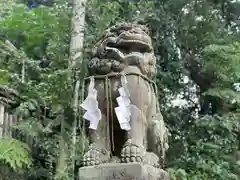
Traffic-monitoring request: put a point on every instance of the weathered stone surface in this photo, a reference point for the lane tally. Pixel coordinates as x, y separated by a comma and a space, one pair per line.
126, 50
123, 171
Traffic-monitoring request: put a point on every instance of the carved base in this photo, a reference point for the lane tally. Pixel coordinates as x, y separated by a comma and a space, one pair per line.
123, 171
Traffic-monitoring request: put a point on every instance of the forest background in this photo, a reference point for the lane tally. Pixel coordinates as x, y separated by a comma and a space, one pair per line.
198, 62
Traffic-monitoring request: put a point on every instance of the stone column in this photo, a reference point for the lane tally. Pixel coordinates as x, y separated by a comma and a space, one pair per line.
10, 122
5, 124
2, 107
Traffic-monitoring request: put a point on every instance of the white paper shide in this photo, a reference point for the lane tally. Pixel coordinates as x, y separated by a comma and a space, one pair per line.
90, 104
123, 112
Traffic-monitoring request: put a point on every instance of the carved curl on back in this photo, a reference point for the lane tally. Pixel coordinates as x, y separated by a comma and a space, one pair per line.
123, 45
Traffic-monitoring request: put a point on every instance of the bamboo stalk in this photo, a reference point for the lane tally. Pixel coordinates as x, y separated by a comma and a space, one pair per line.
76, 46
75, 59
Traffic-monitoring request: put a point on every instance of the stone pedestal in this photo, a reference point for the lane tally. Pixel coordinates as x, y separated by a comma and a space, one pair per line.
117, 171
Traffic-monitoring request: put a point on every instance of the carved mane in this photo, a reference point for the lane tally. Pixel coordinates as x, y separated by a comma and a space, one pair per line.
123, 45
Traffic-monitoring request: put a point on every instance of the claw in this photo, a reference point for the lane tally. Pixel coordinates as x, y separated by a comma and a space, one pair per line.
95, 156
132, 153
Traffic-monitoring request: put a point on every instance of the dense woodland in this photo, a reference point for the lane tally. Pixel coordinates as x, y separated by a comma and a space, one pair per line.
197, 44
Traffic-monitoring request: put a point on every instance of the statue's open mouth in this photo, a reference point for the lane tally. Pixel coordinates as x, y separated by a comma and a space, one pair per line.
140, 42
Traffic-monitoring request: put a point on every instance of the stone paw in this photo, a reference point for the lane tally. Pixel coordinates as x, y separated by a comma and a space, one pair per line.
132, 153
95, 156
152, 159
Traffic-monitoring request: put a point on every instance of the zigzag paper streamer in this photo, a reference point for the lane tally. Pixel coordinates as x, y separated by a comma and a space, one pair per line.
90, 104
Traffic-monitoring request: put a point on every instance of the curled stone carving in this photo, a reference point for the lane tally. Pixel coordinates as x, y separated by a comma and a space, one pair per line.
125, 50
123, 45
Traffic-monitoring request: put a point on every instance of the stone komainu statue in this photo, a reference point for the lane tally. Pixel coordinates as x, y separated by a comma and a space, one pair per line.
125, 122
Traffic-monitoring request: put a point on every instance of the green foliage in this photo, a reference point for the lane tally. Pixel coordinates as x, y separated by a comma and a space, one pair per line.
37, 34
14, 153
209, 144
4, 76
225, 58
